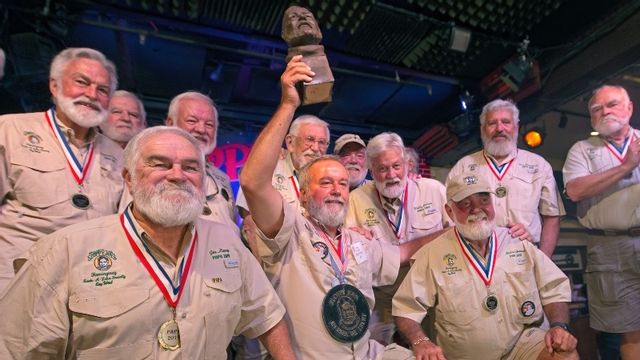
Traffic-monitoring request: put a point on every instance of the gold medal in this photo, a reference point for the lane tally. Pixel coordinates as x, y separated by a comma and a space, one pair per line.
490, 303
169, 335
501, 192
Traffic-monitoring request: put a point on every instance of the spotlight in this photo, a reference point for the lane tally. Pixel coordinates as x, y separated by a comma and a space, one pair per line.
459, 39
534, 137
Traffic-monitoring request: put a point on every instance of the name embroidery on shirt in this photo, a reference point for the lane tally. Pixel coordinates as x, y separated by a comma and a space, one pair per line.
219, 254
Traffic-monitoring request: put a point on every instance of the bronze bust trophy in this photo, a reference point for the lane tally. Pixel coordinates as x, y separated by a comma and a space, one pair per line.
301, 32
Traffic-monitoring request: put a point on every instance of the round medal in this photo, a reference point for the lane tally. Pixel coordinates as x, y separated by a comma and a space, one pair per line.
206, 211
490, 303
501, 192
169, 335
80, 201
345, 313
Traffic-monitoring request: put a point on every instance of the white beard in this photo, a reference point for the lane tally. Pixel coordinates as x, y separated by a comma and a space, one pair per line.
499, 149
331, 215
302, 159
356, 180
394, 191
169, 204
476, 227
81, 115
610, 124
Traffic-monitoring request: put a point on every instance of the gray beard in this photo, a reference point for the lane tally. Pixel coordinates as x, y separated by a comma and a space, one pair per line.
162, 207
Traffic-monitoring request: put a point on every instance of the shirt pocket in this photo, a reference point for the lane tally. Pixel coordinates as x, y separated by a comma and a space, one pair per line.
223, 290
524, 194
426, 223
39, 182
99, 315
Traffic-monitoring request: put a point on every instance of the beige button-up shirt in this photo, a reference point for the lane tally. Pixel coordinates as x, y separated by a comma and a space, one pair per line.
84, 293
530, 187
36, 184
616, 208
302, 278
524, 280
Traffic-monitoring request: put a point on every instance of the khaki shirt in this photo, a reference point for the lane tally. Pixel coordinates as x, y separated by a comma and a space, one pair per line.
616, 208
36, 184
302, 278
424, 213
531, 189
524, 280
282, 181
62, 300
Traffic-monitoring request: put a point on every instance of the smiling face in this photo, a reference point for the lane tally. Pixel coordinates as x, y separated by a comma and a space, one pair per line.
499, 132
353, 156
327, 194
299, 27
167, 181
474, 216
199, 119
82, 92
389, 171
124, 120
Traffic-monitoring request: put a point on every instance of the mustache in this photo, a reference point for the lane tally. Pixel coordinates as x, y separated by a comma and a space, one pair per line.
83, 100
334, 199
352, 167
477, 217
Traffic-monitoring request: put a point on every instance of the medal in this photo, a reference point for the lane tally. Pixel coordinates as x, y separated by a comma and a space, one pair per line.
80, 201
169, 335
206, 211
501, 191
490, 303
345, 313
78, 170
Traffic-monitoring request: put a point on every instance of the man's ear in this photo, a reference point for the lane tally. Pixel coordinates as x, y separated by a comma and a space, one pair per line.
126, 175
449, 211
53, 87
169, 121
288, 140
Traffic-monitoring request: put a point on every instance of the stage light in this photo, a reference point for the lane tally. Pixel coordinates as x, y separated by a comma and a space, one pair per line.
533, 138
459, 39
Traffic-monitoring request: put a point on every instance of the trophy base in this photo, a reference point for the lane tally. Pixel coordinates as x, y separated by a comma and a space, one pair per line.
316, 93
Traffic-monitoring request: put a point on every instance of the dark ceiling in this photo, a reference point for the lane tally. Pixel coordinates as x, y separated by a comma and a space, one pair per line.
393, 68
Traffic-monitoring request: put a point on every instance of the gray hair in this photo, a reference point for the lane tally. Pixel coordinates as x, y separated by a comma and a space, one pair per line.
304, 176
192, 95
124, 93
500, 104
307, 120
60, 62
602, 87
413, 155
383, 142
132, 150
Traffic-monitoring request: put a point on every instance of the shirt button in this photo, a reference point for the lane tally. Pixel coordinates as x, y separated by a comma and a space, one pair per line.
184, 315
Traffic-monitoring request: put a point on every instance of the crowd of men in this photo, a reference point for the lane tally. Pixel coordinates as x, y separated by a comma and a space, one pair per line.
120, 241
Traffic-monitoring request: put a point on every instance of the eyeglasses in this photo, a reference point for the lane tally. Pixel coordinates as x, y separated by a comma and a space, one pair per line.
310, 140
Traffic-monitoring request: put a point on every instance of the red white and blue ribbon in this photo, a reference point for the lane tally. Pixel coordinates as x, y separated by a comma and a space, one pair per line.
171, 292
619, 152
78, 170
339, 255
296, 185
499, 171
483, 268
397, 226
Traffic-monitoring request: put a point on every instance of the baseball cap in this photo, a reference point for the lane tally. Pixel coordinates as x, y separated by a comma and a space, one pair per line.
345, 139
459, 187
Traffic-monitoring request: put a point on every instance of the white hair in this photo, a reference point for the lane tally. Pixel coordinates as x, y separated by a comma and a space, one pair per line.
60, 62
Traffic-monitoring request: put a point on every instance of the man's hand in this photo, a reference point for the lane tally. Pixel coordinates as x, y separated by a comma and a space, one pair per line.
519, 231
368, 234
633, 155
295, 72
427, 350
559, 340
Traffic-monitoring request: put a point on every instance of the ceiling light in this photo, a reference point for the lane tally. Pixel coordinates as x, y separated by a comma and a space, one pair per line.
459, 39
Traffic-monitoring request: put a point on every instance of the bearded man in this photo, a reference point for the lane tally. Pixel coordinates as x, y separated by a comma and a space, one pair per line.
312, 259
488, 291
397, 210
170, 285
601, 174
55, 168
526, 191
126, 117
